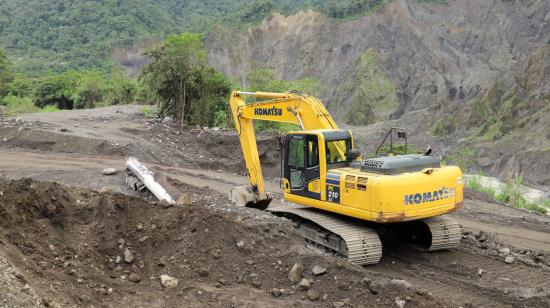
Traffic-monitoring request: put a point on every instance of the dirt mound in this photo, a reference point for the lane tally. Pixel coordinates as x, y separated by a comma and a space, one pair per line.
79, 247
150, 140
203, 148
47, 141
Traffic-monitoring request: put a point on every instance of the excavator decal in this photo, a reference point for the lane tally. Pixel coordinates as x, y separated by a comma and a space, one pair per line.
333, 187
429, 196
273, 111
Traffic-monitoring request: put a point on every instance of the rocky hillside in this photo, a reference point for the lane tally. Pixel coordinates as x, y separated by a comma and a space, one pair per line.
464, 75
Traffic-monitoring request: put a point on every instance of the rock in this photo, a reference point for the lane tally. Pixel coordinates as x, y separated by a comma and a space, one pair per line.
313, 295
480, 272
338, 305
118, 259
165, 204
276, 292
106, 189
304, 284
295, 273
128, 256
184, 199
343, 285
509, 260
203, 272
168, 281
378, 285
505, 251
256, 284
318, 270
109, 171
399, 302
240, 244
166, 119
224, 282
133, 277
400, 283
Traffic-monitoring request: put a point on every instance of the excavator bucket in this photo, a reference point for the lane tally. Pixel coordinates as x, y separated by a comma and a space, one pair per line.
244, 196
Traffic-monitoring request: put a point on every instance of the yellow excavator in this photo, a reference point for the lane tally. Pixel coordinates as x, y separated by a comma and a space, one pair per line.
342, 202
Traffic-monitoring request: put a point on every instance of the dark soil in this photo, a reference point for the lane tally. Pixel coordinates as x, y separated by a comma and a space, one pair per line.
66, 242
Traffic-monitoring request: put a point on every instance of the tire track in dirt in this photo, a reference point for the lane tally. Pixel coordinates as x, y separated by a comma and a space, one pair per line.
455, 275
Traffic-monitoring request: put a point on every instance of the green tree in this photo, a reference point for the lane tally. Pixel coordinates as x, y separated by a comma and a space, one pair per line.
6, 75
90, 91
185, 86
263, 78
57, 90
21, 86
121, 90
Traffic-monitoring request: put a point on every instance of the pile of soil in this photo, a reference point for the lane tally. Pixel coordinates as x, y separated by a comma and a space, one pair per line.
46, 141
77, 247
153, 141
205, 148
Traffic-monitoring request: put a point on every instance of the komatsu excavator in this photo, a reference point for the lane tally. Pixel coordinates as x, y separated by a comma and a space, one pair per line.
340, 202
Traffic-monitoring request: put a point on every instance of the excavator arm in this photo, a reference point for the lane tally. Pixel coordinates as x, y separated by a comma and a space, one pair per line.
291, 107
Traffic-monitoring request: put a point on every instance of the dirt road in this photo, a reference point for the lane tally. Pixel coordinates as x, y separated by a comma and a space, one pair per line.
475, 274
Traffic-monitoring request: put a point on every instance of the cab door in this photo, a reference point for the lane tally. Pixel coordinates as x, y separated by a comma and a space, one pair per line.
302, 165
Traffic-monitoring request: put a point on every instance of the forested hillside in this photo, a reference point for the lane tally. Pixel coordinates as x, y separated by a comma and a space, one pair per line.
58, 35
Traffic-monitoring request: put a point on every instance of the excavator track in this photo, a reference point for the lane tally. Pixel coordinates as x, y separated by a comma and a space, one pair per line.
358, 243
430, 234
445, 233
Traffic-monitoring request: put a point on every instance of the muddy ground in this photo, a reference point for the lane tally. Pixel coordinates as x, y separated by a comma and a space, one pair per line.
60, 238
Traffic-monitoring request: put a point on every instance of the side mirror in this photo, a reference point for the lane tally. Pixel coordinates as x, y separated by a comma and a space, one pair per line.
353, 154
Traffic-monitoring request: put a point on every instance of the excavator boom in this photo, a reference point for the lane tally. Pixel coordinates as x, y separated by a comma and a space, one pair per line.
303, 110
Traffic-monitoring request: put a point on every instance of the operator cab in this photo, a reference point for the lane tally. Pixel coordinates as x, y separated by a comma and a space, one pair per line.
308, 153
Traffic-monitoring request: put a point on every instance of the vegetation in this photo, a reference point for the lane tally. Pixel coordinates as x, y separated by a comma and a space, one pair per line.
185, 86
17, 105
445, 126
464, 157
371, 93
63, 35
146, 111
509, 193
6, 75
55, 91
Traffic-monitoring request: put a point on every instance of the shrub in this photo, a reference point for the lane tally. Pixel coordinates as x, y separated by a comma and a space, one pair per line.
56, 90
146, 111
90, 91
50, 108
474, 183
18, 105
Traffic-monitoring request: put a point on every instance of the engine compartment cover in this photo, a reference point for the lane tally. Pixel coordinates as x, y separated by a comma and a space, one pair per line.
397, 164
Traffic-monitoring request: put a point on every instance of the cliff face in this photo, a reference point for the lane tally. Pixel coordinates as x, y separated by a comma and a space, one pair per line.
469, 73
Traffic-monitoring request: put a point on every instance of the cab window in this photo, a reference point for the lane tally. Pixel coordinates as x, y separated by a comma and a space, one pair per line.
296, 163
313, 152
296, 153
336, 150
